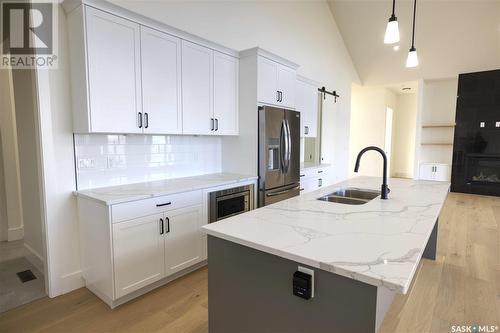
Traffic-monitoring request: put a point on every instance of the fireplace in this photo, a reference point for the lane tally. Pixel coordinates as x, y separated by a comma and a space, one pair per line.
476, 148
483, 169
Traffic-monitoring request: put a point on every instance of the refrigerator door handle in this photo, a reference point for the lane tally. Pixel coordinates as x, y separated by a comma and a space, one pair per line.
283, 192
283, 146
289, 144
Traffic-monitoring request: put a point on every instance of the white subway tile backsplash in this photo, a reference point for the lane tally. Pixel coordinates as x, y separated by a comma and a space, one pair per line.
126, 159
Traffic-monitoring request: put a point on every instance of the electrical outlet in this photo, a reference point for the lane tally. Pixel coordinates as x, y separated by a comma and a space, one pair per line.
482, 124
86, 163
115, 161
497, 124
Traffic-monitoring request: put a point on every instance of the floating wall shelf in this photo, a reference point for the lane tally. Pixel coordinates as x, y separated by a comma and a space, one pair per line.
438, 125
437, 143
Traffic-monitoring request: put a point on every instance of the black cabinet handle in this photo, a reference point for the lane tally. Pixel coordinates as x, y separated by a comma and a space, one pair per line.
139, 119
168, 224
302, 189
146, 116
212, 122
302, 175
320, 171
164, 204
277, 95
216, 124
162, 231
281, 96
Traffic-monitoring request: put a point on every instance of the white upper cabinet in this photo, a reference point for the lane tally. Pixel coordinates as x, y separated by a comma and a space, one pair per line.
267, 84
161, 82
307, 105
136, 75
197, 89
286, 86
225, 94
276, 83
114, 71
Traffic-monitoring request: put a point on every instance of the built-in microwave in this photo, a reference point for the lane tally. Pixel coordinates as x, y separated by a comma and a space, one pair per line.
230, 202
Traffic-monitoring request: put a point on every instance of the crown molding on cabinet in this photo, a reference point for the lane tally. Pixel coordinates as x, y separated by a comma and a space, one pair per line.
309, 81
70, 5
269, 55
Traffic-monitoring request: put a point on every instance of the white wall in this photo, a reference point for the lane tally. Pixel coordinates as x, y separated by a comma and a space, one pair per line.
403, 138
25, 106
368, 115
301, 31
10, 159
4, 224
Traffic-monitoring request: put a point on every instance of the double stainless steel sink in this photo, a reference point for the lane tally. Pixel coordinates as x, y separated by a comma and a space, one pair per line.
351, 196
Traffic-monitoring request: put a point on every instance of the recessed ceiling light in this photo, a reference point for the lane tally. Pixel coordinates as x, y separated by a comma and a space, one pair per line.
395, 47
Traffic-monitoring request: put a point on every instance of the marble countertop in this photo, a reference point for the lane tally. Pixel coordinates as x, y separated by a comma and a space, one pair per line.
379, 243
311, 165
124, 193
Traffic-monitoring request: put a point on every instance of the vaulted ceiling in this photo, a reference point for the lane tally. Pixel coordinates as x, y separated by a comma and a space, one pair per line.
452, 37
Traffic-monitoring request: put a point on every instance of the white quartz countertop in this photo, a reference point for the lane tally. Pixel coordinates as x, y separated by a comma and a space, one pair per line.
311, 165
379, 243
124, 193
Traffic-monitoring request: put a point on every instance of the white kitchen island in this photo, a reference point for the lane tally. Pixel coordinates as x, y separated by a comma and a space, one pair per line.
361, 255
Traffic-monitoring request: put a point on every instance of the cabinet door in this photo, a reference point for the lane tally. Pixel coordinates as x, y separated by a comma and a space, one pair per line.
197, 88
286, 85
183, 238
161, 82
113, 55
426, 172
442, 172
267, 82
138, 253
225, 94
306, 102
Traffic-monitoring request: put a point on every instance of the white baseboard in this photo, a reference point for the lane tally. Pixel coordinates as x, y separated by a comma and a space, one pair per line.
403, 175
35, 258
72, 281
14, 234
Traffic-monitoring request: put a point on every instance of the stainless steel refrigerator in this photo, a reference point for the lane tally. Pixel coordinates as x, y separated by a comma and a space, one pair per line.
279, 154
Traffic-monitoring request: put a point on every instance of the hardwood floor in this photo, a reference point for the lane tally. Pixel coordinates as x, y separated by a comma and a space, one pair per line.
462, 287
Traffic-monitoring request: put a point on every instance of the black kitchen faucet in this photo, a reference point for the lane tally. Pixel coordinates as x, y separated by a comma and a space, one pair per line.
385, 189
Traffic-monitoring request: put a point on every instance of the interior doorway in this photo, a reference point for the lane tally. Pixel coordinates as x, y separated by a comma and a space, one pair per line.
22, 237
389, 114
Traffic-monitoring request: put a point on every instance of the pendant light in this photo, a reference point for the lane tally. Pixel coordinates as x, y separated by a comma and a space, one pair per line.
392, 30
412, 60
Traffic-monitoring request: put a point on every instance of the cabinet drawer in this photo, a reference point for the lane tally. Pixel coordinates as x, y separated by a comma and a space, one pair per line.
313, 172
135, 209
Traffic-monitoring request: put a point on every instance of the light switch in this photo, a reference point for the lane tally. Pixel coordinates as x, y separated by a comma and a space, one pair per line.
497, 124
482, 124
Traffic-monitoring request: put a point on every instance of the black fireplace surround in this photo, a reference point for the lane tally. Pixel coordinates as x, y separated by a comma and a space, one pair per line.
476, 150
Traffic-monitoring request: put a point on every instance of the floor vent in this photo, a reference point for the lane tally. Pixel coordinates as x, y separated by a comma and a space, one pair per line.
26, 276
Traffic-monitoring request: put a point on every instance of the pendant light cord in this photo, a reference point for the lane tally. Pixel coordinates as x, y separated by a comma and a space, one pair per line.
393, 7
414, 13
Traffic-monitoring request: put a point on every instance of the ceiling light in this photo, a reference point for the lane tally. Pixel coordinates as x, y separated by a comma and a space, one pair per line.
412, 60
392, 30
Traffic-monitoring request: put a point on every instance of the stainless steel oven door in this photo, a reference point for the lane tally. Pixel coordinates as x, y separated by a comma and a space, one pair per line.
229, 205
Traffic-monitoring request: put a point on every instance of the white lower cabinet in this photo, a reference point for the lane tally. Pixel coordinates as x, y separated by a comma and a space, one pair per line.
313, 179
183, 241
138, 253
435, 171
127, 247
